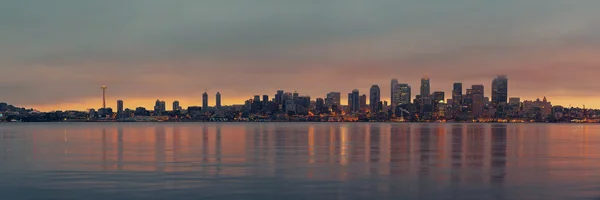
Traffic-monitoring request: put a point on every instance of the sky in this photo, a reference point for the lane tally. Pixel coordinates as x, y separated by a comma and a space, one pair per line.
55, 55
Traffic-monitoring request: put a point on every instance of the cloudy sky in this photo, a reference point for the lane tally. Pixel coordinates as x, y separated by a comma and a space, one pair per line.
56, 54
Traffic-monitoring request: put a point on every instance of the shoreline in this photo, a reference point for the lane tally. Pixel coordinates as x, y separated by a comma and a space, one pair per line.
241, 122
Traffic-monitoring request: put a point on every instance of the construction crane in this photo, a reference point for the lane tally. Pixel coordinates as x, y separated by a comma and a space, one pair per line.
402, 113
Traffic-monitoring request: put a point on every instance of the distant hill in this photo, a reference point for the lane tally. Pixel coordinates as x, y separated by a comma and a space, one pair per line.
5, 107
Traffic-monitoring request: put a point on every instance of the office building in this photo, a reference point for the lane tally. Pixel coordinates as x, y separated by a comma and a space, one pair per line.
478, 100
457, 94
265, 101
499, 90
333, 98
405, 93
355, 101
279, 97
218, 101
438, 97
363, 102
120, 107
176, 106
425, 87
375, 99
350, 99
395, 93
205, 101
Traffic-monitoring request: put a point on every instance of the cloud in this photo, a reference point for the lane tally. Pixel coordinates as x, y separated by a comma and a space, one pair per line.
62, 51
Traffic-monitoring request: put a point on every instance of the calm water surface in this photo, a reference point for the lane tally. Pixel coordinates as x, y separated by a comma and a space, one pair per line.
299, 161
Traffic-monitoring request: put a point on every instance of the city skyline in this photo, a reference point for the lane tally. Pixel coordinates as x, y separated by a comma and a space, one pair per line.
402, 87
373, 101
56, 54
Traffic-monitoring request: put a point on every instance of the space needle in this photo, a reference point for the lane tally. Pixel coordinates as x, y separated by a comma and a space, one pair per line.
104, 96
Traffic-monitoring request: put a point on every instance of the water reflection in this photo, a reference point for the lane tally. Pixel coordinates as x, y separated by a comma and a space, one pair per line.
364, 160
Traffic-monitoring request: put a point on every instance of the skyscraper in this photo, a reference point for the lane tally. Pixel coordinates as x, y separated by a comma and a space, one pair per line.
333, 98
499, 90
120, 107
355, 101
363, 102
265, 101
279, 97
295, 96
425, 91
176, 106
438, 97
375, 98
438, 105
205, 101
425, 87
457, 99
477, 96
350, 100
159, 107
457, 93
218, 101
395, 94
256, 98
256, 104
405, 93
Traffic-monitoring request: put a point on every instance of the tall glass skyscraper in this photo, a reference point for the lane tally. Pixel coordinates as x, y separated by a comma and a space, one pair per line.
499, 90
374, 98
355, 101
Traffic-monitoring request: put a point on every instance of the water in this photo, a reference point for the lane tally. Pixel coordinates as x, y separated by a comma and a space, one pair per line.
299, 161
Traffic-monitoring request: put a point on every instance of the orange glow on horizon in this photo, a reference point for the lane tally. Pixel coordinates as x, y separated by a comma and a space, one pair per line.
131, 103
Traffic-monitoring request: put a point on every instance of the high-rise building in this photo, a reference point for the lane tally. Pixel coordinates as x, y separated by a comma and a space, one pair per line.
425, 87
395, 93
457, 99
363, 102
478, 100
303, 105
290, 106
205, 101
176, 106
279, 97
438, 97
350, 99
499, 90
120, 107
425, 91
468, 99
375, 98
405, 93
320, 107
256, 104
457, 94
355, 100
333, 98
265, 101
295, 96
218, 101
159, 107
